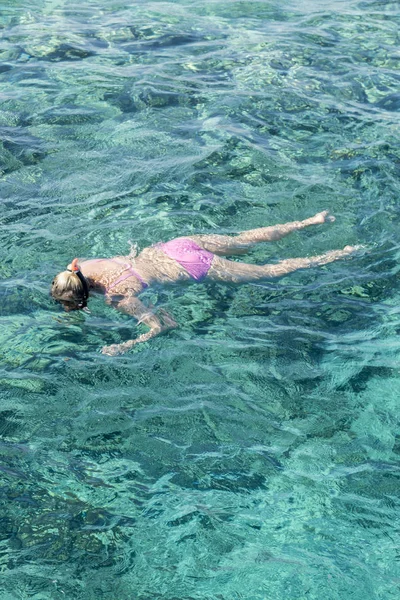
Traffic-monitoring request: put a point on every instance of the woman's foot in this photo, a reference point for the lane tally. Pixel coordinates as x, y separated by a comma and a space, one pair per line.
319, 218
333, 255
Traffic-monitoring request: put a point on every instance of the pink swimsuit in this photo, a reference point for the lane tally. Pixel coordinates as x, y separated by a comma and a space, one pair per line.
129, 272
194, 259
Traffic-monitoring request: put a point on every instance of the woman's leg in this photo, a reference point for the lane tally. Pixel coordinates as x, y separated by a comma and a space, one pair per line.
236, 272
241, 243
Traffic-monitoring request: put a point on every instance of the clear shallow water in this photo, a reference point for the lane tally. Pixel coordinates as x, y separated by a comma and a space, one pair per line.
253, 453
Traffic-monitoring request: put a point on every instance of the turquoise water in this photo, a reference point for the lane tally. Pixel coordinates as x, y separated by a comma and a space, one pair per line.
254, 452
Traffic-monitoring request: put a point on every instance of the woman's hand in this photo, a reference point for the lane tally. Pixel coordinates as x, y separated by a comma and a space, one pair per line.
117, 349
136, 308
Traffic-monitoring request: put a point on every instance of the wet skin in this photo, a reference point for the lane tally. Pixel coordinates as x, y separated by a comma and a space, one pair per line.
153, 266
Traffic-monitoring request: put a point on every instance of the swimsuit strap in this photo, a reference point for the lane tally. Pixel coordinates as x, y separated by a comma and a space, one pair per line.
125, 275
130, 273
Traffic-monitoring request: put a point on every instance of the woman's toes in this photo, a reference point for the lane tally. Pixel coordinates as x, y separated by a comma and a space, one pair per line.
326, 217
323, 217
352, 249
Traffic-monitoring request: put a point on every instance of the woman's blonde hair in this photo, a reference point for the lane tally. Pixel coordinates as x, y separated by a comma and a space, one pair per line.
67, 287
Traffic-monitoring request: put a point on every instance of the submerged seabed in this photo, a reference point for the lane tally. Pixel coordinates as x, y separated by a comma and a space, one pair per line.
253, 453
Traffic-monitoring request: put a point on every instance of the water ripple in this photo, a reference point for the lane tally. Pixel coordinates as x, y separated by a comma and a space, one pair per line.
253, 452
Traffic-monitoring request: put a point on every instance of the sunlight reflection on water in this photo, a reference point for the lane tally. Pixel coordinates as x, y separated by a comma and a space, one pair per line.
252, 453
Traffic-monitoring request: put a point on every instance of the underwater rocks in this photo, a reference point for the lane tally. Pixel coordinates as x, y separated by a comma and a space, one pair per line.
18, 147
57, 52
390, 102
130, 102
67, 114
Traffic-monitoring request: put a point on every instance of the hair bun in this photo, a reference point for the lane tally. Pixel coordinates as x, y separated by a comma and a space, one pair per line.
74, 265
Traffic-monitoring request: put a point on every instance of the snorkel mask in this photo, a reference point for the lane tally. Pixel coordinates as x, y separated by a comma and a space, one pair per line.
67, 290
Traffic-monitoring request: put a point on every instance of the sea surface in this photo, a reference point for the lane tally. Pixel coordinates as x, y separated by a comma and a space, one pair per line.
253, 453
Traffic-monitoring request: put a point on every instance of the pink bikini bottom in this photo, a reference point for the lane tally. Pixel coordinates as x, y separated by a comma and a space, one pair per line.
194, 259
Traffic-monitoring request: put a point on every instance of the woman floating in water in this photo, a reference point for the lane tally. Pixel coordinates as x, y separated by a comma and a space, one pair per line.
197, 257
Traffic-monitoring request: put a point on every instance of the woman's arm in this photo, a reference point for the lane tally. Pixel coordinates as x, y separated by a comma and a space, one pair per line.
134, 307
